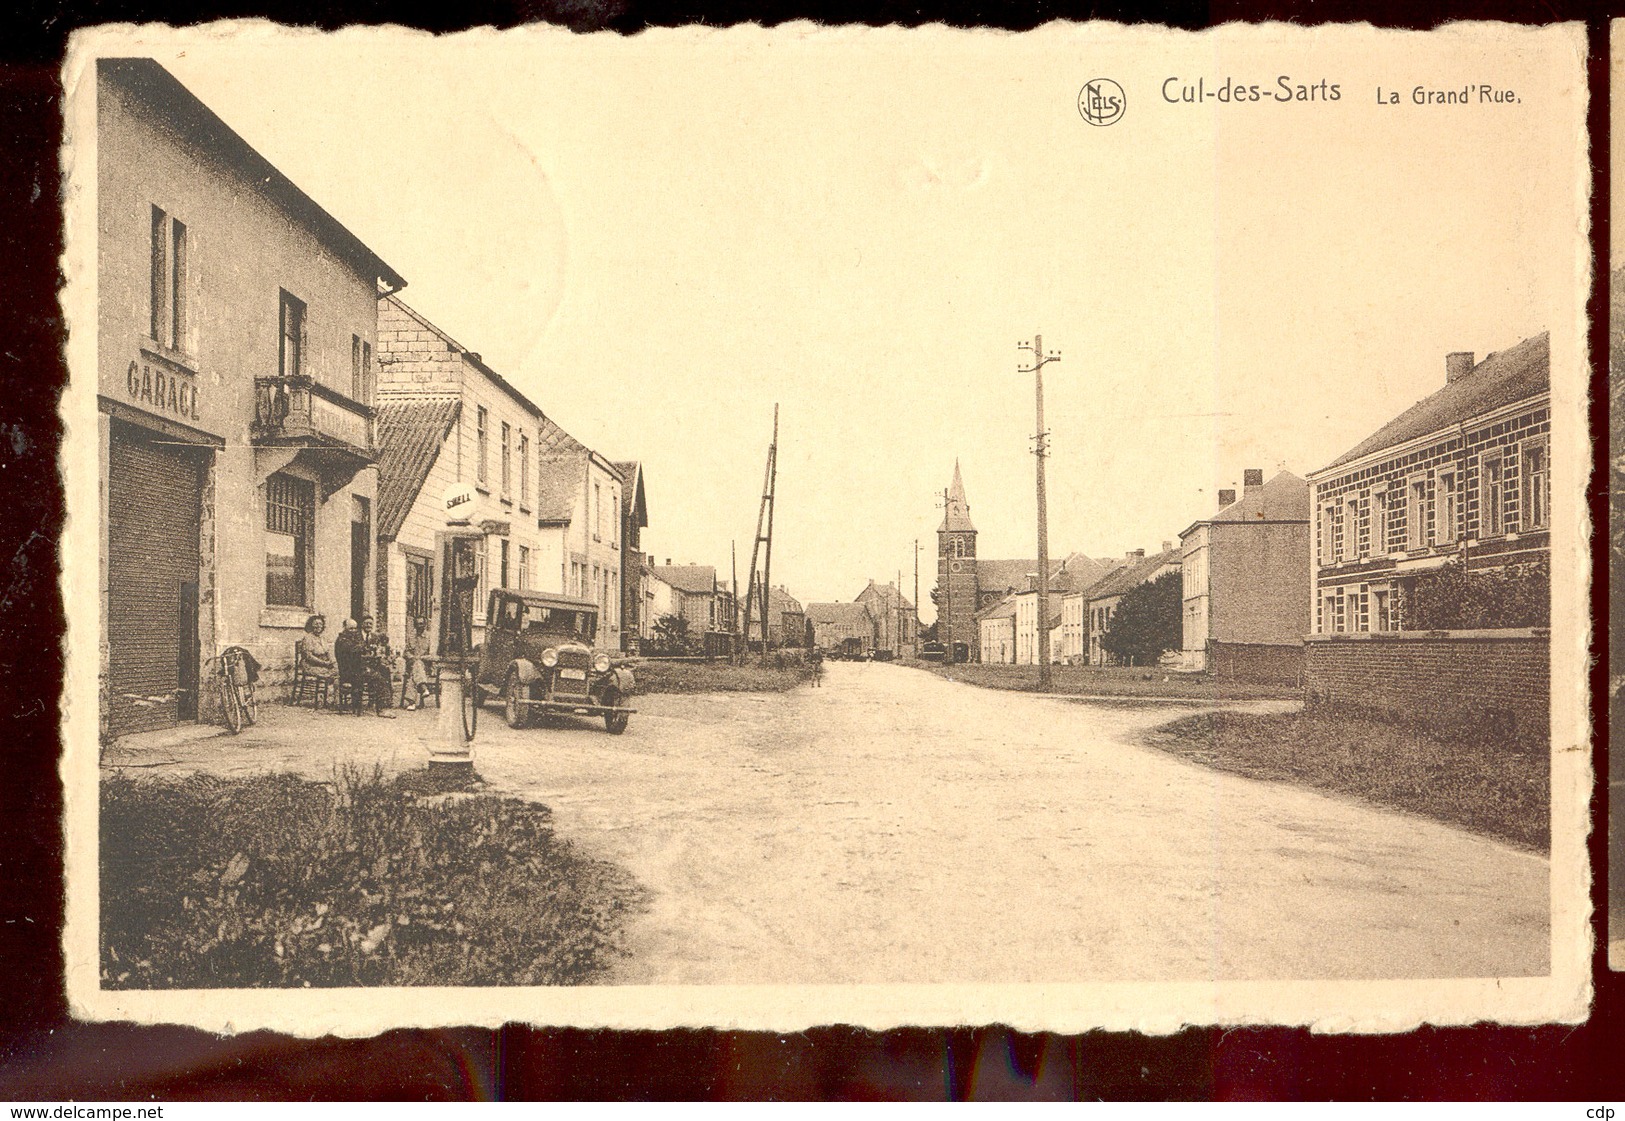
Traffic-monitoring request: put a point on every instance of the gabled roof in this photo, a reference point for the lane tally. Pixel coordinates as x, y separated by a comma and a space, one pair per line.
887, 594
957, 514
695, 579
1134, 574
780, 602
634, 506
1285, 498
199, 124
559, 479
551, 438
1002, 609
410, 436
840, 614
1506, 376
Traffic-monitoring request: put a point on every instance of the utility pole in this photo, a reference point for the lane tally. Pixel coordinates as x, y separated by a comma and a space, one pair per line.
945, 615
897, 643
916, 597
764, 516
1041, 452
733, 564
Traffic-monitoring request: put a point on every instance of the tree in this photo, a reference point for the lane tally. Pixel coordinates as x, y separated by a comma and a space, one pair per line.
672, 635
1147, 621
1452, 598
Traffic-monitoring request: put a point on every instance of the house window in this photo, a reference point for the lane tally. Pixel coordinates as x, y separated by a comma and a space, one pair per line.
1416, 516
524, 567
1448, 508
168, 290
1382, 609
524, 469
1359, 610
355, 368
614, 516
291, 352
1491, 496
482, 583
419, 587
481, 441
290, 512
1352, 546
1535, 485
597, 512
503, 567
1328, 535
1379, 522
507, 464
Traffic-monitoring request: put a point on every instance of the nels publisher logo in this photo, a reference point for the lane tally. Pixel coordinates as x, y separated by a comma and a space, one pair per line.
1101, 101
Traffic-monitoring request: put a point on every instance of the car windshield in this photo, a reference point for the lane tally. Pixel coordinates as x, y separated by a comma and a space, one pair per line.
579, 625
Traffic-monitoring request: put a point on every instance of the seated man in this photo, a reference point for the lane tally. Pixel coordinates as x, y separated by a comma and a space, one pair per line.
377, 665
349, 653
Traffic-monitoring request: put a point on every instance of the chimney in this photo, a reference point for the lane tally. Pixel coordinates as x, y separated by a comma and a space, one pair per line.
1252, 479
1032, 581
1227, 498
1166, 545
1456, 364
668, 562
1136, 554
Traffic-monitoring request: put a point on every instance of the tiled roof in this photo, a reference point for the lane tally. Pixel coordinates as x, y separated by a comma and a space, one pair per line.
780, 601
1135, 574
560, 477
551, 438
887, 594
410, 436
1284, 498
847, 614
695, 579
1506, 376
1003, 609
1004, 575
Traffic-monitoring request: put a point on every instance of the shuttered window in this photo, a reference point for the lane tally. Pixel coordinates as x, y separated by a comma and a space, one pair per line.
292, 351
290, 510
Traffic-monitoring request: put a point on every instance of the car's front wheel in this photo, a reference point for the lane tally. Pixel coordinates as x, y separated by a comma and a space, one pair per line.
514, 695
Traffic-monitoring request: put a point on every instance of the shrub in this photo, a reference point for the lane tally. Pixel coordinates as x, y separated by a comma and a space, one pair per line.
278, 881
1452, 598
1147, 621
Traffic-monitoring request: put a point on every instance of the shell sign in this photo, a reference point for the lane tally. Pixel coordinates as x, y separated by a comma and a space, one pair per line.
457, 501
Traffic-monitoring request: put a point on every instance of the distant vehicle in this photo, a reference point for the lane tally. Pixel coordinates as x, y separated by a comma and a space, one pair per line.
933, 652
538, 657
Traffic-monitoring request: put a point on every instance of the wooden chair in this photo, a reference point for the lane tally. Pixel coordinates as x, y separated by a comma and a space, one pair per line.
313, 686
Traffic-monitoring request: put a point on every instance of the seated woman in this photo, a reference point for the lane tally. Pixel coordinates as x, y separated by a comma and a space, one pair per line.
315, 655
417, 674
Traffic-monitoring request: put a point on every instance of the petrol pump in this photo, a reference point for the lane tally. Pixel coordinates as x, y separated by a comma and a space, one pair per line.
456, 669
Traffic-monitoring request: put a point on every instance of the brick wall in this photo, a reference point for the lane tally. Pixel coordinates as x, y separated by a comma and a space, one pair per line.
1264, 663
1487, 682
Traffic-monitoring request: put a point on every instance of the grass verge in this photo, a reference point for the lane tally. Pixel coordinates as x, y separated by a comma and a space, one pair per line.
1488, 787
1115, 681
775, 673
276, 881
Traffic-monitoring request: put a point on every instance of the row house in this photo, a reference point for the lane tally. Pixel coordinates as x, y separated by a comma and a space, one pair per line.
1067, 580
579, 509
1463, 474
690, 591
786, 618
1103, 598
635, 593
996, 633
547, 510
236, 334
1245, 607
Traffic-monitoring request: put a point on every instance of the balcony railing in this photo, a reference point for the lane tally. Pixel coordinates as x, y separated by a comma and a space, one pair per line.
300, 411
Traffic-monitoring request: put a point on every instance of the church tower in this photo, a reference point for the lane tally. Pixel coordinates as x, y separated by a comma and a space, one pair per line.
956, 571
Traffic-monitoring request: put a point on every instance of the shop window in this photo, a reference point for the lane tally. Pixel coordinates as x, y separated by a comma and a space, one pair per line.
524, 567
290, 511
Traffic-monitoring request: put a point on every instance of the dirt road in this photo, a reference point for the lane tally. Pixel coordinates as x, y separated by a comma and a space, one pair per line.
892, 826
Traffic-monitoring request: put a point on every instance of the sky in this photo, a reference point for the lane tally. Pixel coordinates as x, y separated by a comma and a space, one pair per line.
660, 238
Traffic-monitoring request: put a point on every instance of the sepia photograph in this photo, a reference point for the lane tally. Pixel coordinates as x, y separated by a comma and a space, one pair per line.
766, 527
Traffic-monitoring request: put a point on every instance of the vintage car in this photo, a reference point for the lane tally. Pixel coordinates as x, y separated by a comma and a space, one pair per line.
538, 657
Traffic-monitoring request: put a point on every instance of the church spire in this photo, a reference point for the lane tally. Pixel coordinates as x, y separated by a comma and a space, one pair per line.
957, 514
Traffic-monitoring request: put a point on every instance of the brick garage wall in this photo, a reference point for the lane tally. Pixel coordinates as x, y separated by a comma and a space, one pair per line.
1263, 663
1478, 683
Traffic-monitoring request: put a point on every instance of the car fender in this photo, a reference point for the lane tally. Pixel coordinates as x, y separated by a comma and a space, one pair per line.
526, 669
621, 678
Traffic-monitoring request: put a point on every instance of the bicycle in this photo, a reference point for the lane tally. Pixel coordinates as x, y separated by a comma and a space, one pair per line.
235, 687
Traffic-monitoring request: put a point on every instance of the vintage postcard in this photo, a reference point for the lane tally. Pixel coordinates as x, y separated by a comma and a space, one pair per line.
772, 527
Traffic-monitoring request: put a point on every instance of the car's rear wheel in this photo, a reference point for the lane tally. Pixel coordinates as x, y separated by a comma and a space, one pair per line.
513, 709
614, 722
